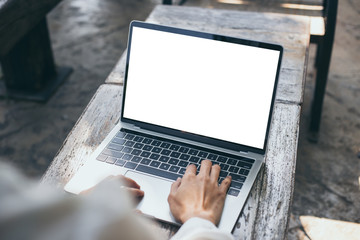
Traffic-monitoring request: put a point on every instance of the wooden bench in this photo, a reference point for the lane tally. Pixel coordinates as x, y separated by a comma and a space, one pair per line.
266, 212
25, 50
322, 14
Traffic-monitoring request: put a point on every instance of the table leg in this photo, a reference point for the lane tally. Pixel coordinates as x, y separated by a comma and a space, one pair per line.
29, 69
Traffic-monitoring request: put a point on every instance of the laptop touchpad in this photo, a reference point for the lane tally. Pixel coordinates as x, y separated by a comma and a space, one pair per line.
156, 192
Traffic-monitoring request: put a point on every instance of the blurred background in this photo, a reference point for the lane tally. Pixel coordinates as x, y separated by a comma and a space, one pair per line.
91, 35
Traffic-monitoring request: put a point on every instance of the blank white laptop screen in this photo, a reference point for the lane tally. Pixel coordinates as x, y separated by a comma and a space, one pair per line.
212, 88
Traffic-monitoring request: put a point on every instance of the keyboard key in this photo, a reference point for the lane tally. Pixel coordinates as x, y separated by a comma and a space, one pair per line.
120, 134
111, 160
231, 161
136, 159
233, 192
129, 136
165, 145
145, 161
138, 145
233, 169
115, 147
129, 143
249, 160
223, 174
127, 149
174, 147
157, 172
155, 163
175, 154
215, 163
194, 159
193, 152
130, 165
235, 184
101, 157
165, 152
112, 153
174, 169
183, 149
182, 171
147, 148
222, 159
212, 157
184, 157
120, 162
127, 157
136, 152
196, 165
147, 141
224, 166
238, 178
183, 164
156, 150
244, 164
220, 180
164, 159
156, 143
154, 156
118, 141
138, 139
173, 161
164, 166
244, 171
202, 154
145, 154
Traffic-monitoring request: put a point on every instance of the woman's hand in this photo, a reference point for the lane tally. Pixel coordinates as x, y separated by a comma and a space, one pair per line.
130, 185
199, 195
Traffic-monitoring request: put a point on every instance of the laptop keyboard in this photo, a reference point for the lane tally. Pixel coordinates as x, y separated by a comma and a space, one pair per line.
169, 159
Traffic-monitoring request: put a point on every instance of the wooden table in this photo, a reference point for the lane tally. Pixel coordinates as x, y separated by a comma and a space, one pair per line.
266, 212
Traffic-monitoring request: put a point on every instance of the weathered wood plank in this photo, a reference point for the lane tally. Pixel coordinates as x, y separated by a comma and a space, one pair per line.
117, 74
207, 19
297, 7
267, 210
97, 120
292, 32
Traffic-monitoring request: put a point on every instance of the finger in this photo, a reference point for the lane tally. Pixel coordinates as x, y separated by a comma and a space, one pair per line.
205, 167
225, 184
190, 170
175, 185
137, 211
215, 172
129, 182
135, 192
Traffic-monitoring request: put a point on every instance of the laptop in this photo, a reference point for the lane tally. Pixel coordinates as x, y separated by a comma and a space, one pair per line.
188, 96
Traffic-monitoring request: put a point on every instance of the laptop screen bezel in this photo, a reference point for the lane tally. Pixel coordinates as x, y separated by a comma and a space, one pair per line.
191, 136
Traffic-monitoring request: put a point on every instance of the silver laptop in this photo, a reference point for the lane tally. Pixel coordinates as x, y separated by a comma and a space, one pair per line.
188, 96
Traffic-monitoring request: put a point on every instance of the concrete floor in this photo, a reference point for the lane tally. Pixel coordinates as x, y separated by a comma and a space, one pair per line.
90, 36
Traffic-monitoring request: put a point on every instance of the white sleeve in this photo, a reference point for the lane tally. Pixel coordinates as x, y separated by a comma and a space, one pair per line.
199, 228
39, 212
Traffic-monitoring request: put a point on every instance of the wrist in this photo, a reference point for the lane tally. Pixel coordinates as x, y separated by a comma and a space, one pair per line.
202, 215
